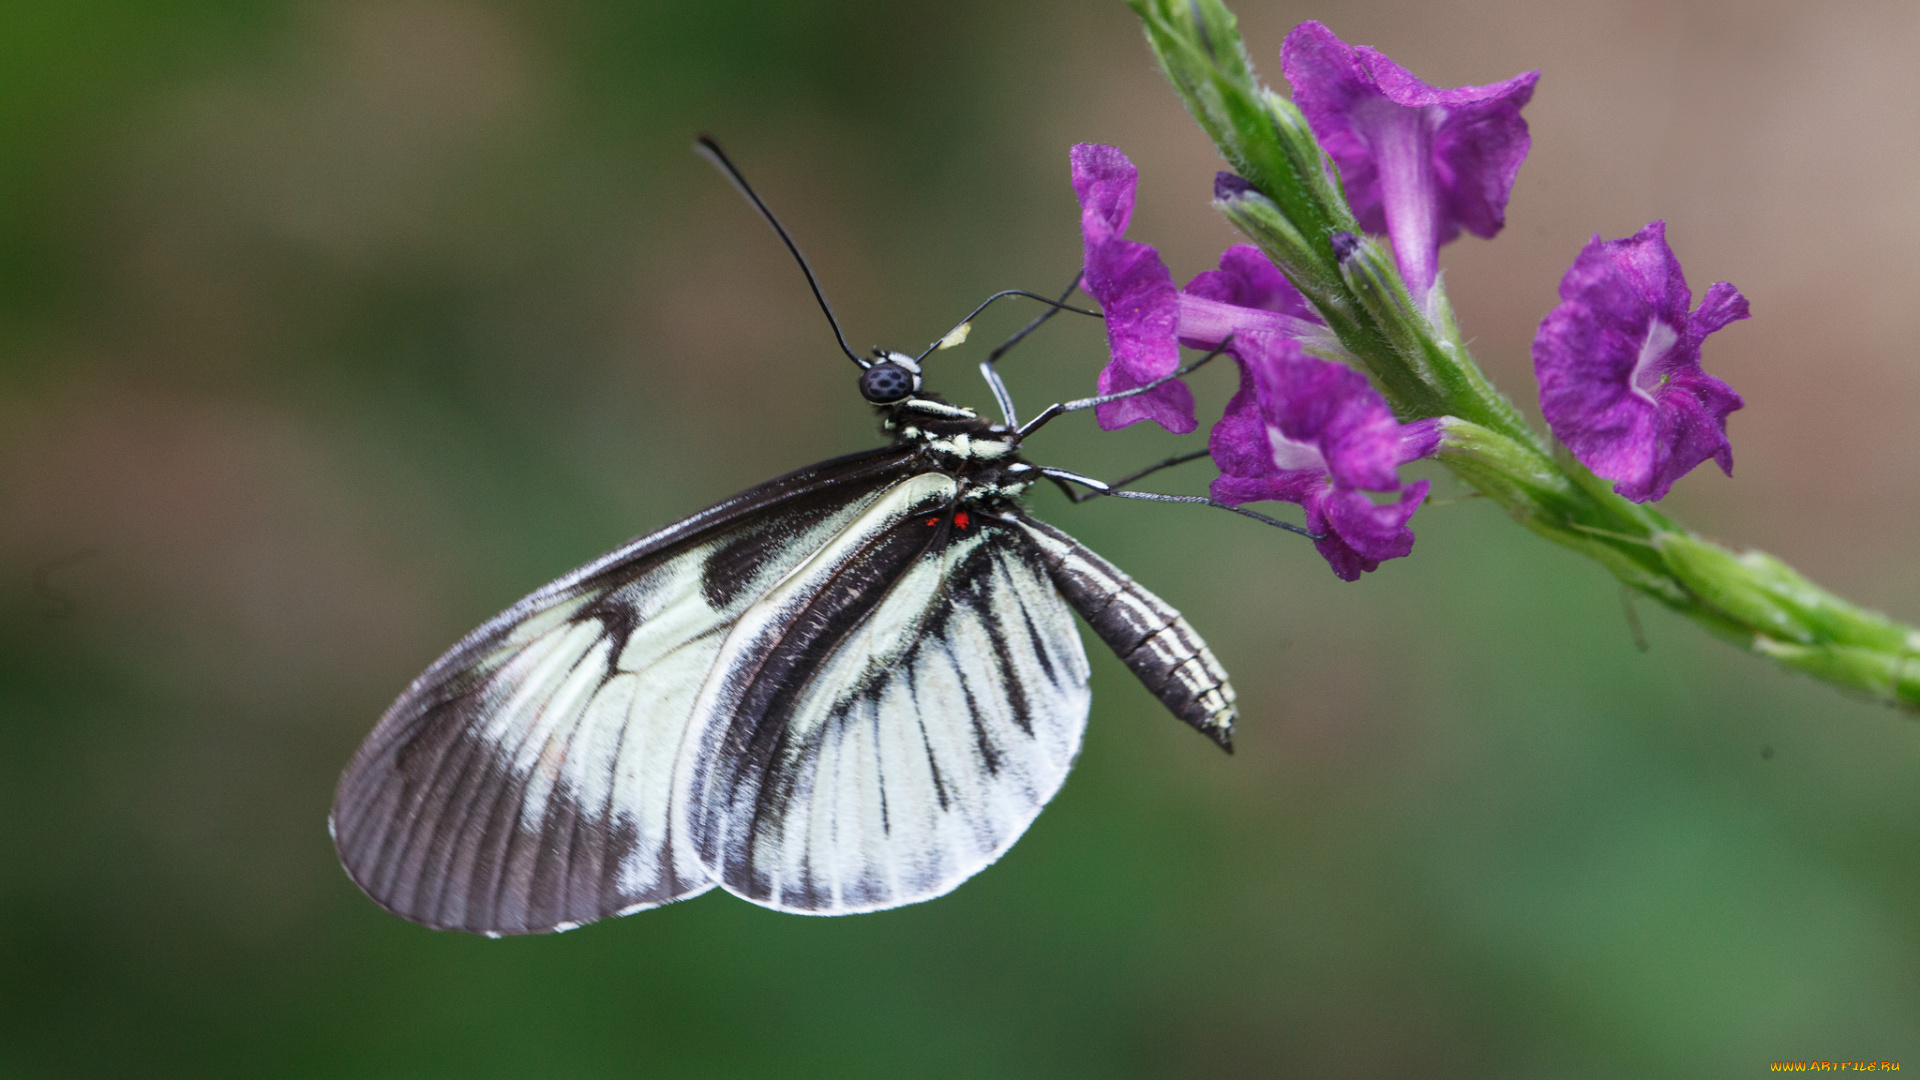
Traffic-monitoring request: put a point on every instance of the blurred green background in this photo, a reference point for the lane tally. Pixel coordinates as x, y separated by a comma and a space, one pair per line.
328, 329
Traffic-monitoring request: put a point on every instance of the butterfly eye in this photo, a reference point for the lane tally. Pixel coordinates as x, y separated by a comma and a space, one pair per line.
886, 382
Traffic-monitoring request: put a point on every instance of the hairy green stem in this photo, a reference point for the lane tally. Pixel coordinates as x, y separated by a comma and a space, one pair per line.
1415, 355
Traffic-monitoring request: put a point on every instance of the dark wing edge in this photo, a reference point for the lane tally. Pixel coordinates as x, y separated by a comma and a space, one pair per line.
430, 819
1148, 635
626, 560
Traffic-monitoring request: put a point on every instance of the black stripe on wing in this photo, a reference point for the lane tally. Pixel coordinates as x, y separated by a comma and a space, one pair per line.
1148, 635
491, 797
889, 721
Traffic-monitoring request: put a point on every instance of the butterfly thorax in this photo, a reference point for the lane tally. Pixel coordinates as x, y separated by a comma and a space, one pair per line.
955, 440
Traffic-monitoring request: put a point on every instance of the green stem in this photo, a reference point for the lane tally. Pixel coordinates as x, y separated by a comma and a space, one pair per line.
1414, 354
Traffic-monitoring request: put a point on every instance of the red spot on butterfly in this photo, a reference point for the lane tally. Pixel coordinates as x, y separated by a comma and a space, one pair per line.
960, 519
933, 521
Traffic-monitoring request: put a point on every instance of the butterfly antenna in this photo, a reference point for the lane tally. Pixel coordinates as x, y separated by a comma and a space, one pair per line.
1052, 307
707, 148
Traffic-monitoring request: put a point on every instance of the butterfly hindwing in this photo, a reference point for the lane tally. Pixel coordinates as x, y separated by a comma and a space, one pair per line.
524, 782
887, 721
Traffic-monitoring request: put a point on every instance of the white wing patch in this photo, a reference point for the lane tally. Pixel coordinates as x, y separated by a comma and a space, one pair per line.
524, 782
890, 719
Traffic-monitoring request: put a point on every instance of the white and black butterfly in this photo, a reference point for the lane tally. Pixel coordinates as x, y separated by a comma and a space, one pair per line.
846, 689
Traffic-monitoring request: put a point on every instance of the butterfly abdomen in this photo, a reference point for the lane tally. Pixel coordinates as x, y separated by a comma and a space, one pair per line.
1148, 635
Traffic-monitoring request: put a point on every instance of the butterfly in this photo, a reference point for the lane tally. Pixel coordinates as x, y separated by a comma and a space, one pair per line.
846, 689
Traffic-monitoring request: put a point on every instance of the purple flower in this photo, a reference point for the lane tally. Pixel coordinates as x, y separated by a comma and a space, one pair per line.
1618, 363
1312, 432
1300, 429
1419, 163
1147, 318
1135, 291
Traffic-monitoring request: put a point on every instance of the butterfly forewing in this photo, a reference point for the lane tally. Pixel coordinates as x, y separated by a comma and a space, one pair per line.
891, 717
525, 781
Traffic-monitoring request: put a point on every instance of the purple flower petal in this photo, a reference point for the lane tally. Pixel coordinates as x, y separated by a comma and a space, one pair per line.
1420, 439
1723, 304
1297, 486
1248, 279
1332, 408
1239, 444
1618, 362
1104, 181
1312, 432
1246, 293
1204, 323
1136, 293
1418, 163
1359, 535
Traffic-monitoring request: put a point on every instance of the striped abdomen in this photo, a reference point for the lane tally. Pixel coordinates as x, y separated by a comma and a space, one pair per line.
1144, 631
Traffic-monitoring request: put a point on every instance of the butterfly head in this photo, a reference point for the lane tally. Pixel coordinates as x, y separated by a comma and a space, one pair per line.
894, 377
955, 436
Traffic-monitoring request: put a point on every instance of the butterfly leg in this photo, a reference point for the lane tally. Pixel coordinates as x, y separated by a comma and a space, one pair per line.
1177, 459
992, 374
1064, 407
1096, 487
